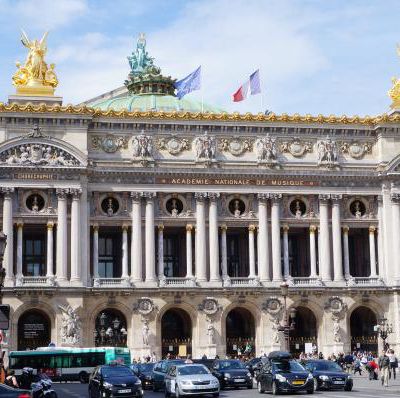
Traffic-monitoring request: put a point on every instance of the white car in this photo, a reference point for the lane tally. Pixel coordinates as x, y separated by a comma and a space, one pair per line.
188, 379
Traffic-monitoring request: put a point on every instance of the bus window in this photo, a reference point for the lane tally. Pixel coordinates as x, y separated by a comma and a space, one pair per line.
65, 361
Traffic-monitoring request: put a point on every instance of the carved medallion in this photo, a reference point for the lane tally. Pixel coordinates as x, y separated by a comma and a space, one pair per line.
174, 145
356, 149
296, 147
144, 306
109, 143
235, 146
336, 306
272, 306
209, 306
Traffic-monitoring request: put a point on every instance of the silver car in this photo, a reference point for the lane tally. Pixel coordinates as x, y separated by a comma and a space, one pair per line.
190, 379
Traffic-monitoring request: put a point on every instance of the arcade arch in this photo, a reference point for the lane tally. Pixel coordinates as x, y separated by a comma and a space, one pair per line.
34, 330
363, 336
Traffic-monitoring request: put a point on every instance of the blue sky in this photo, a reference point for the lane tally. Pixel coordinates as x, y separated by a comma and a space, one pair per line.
321, 56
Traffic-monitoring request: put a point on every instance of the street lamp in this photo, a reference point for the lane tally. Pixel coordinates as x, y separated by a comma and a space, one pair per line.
288, 316
383, 328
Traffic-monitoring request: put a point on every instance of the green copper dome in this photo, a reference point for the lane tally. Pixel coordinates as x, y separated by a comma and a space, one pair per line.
152, 102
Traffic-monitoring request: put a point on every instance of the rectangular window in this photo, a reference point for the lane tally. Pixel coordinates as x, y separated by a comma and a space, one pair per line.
34, 255
110, 256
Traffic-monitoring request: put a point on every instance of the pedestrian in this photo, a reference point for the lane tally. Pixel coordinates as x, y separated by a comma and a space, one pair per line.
384, 364
393, 364
357, 366
372, 367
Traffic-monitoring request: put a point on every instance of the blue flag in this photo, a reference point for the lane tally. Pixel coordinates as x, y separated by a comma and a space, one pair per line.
188, 84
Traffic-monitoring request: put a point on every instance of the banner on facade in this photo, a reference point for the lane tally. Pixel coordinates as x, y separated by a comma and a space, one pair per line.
182, 351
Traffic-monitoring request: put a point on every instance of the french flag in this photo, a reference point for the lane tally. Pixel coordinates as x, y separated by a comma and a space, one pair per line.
251, 86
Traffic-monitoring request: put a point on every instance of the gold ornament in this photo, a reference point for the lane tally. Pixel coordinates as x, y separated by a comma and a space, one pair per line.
35, 77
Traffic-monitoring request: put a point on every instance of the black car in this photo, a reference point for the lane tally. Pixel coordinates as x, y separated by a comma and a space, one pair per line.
145, 373
232, 373
108, 381
280, 373
328, 375
206, 362
160, 370
11, 392
253, 365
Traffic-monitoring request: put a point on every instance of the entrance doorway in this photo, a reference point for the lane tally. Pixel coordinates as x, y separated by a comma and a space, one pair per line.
240, 333
34, 330
304, 336
176, 333
363, 337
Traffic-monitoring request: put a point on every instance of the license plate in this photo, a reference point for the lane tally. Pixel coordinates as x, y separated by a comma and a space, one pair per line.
124, 391
338, 382
298, 382
240, 380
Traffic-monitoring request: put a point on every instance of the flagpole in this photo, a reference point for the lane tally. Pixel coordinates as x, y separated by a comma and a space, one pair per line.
201, 91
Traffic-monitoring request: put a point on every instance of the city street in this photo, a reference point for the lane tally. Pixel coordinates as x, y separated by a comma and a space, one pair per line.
362, 388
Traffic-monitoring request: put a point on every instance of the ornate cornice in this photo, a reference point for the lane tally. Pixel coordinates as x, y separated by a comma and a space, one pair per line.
246, 117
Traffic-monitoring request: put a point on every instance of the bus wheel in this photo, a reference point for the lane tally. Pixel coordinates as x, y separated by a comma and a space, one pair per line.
83, 377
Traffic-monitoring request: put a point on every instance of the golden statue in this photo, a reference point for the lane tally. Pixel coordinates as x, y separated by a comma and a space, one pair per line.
35, 77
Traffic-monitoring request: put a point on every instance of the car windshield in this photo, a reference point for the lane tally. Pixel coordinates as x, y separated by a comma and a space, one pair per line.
146, 367
287, 366
119, 371
231, 365
192, 370
327, 366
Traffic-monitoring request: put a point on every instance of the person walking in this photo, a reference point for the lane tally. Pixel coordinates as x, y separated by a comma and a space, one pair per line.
393, 364
384, 364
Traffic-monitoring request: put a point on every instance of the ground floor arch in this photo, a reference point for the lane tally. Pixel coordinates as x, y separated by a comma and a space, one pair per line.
34, 330
363, 336
110, 328
240, 332
176, 333
304, 336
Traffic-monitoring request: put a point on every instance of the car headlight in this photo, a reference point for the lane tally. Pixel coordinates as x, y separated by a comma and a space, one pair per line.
349, 377
280, 378
107, 385
186, 382
248, 374
324, 378
227, 375
215, 382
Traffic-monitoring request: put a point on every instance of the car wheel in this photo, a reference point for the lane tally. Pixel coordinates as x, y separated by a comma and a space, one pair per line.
310, 391
348, 388
166, 393
259, 388
83, 377
315, 384
275, 389
155, 389
177, 395
249, 386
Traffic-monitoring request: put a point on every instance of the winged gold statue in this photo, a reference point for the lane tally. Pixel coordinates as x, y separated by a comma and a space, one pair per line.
35, 77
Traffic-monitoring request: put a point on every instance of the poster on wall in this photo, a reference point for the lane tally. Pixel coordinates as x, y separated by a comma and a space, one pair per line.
308, 348
182, 352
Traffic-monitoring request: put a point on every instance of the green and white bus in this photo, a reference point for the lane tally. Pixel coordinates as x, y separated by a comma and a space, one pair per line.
67, 364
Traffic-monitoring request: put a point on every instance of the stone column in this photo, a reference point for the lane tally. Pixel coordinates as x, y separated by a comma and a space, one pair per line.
160, 251
136, 237
263, 247
150, 243
276, 238
372, 253
213, 237
96, 251
201, 252
62, 237
49, 258
313, 253
8, 229
286, 270
346, 252
337, 239
396, 233
20, 236
224, 258
252, 258
325, 246
75, 237
189, 253
125, 271
381, 257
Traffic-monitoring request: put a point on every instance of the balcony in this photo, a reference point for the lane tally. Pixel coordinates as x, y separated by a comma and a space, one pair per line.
241, 282
177, 282
365, 281
35, 281
305, 281
112, 282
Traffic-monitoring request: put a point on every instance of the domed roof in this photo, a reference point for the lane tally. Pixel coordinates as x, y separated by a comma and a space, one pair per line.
153, 102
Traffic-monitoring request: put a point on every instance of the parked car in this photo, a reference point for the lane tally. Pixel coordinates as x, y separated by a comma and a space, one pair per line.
206, 362
253, 365
108, 381
193, 379
160, 370
328, 375
281, 373
11, 392
232, 373
145, 373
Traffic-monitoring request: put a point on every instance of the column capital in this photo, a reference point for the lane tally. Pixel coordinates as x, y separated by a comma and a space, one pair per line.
96, 227
252, 228
76, 193
336, 197
7, 191
160, 227
125, 227
136, 196
62, 193
313, 228
50, 225
371, 229
199, 196
20, 224
224, 227
345, 229
395, 197
189, 227
213, 196
285, 227
324, 197
262, 197
275, 197
149, 195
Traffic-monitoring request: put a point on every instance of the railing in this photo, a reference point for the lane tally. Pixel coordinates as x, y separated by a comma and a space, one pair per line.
304, 281
241, 282
177, 282
365, 281
35, 281
111, 282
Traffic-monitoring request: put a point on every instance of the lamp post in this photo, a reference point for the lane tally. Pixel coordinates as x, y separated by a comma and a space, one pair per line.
288, 316
383, 328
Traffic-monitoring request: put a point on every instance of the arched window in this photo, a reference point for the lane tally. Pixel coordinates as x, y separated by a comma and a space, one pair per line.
34, 330
110, 329
363, 336
240, 332
304, 336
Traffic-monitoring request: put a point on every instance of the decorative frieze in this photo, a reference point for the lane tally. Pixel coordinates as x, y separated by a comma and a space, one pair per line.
204, 148
109, 143
328, 153
174, 145
296, 147
142, 147
235, 146
266, 151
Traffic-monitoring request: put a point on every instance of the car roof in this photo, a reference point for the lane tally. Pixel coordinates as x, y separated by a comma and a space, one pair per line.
181, 365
